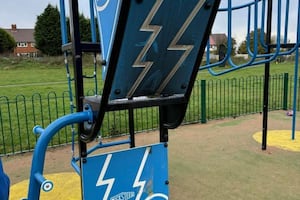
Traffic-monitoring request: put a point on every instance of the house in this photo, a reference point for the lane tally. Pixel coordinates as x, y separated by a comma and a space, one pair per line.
217, 39
25, 41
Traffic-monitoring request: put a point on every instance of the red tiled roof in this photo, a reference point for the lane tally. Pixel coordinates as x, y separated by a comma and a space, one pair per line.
217, 38
22, 35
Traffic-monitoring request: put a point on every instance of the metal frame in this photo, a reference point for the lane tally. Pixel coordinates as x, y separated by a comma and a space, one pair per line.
272, 51
171, 108
103, 104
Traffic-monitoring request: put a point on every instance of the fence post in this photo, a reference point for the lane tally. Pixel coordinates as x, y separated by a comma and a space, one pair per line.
285, 91
203, 101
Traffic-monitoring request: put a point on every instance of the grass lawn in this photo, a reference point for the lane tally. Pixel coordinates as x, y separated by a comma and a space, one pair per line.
44, 75
41, 75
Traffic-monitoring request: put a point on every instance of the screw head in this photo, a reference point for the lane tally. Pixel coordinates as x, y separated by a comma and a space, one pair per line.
207, 5
117, 91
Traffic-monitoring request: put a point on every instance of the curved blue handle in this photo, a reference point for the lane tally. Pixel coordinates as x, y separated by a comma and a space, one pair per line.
37, 181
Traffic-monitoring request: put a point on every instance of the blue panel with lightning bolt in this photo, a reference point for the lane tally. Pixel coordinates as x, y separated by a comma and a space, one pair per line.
138, 173
107, 14
160, 46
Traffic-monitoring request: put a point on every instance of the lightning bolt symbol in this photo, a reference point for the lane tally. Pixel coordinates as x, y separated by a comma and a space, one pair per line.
174, 46
137, 182
146, 27
108, 182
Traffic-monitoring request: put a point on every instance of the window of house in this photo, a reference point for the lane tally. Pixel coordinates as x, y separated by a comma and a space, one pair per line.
32, 44
22, 44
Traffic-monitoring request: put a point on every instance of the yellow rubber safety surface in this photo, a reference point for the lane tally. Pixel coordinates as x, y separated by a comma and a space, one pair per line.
66, 187
281, 139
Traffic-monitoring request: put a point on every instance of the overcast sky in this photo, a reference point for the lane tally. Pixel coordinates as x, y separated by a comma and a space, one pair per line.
24, 14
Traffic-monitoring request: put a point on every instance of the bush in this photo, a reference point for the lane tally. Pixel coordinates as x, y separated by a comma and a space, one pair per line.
7, 42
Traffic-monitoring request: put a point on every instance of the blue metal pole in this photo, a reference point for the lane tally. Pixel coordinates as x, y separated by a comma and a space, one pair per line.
63, 26
287, 11
92, 21
64, 39
94, 39
295, 95
296, 78
41, 147
207, 51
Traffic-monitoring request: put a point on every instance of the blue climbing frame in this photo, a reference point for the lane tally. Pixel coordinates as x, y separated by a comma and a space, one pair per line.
271, 19
149, 59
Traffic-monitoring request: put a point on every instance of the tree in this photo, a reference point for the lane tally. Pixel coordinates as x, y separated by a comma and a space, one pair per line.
7, 42
222, 48
233, 46
221, 41
243, 47
47, 31
85, 28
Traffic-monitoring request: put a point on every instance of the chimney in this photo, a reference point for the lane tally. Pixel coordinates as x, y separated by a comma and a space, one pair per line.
13, 27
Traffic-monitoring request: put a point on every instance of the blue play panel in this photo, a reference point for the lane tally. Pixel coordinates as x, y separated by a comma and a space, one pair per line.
138, 173
160, 44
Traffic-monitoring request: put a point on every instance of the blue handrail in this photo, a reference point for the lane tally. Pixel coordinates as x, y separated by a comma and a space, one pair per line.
37, 181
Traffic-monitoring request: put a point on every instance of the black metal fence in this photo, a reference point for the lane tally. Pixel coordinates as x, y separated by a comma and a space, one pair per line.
211, 99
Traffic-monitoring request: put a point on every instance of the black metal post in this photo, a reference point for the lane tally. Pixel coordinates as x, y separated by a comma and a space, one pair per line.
267, 78
163, 131
131, 127
285, 91
77, 62
203, 101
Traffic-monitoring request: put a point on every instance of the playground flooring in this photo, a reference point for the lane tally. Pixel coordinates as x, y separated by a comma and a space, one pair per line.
221, 159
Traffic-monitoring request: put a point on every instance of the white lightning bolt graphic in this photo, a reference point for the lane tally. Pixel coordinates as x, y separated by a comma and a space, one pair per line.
138, 62
175, 47
137, 182
108, 182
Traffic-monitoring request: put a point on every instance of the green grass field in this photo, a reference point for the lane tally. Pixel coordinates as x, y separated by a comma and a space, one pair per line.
43, 75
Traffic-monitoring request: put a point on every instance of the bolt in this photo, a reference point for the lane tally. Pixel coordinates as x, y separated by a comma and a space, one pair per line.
83, 154
167, 182
117, 91
207, 5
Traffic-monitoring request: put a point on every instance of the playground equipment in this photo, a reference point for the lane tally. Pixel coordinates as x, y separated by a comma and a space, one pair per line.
270, 23
4, 182
150, 58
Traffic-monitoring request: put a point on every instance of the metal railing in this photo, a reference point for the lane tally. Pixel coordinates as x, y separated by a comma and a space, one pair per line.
211, 99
